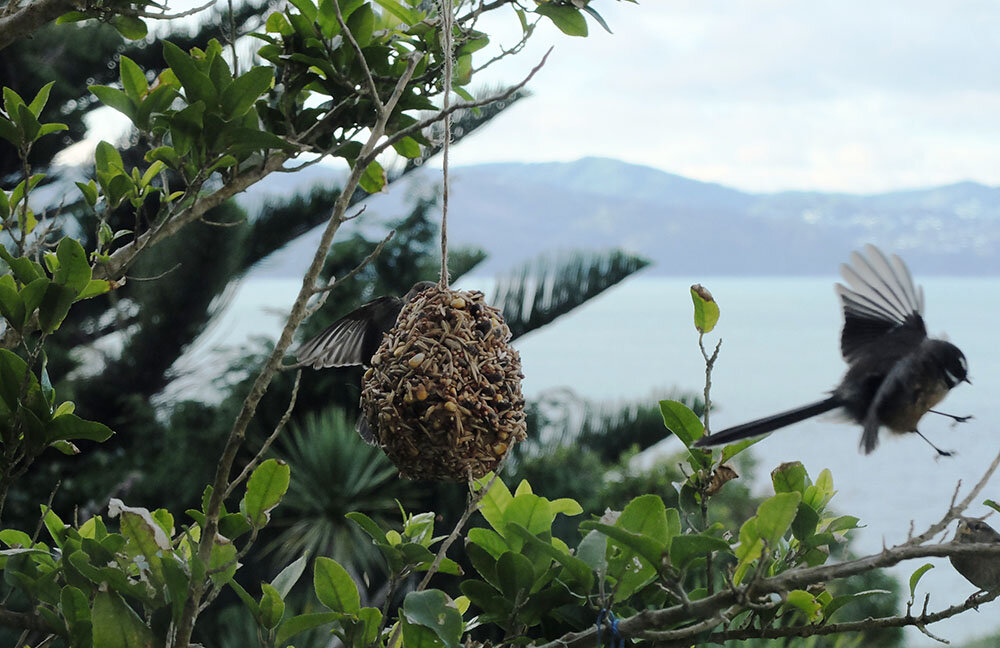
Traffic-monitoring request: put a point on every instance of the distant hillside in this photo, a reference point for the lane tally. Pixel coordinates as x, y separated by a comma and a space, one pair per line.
688, 227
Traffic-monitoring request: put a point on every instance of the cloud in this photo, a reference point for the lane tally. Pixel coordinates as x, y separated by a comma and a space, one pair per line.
854, 96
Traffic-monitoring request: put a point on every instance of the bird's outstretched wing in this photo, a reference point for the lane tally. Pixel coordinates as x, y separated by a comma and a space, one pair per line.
353, 339
881, 304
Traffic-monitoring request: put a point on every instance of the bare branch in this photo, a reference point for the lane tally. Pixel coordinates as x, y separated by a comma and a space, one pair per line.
956, 511
125, 255
838, 628
31, 17
166, 16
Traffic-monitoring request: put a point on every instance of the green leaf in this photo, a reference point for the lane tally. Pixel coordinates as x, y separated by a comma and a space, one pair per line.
222, 562
916, 576
116, 99
303, 622
272, 608
56, 302
807, 603
530, 511
566, 17
132, 78
41, 98
578, 570
408, 16
130, 27
362, 25
116, 625
433, 609
11, 304
408, 148
686, 426
94, 288
306, 7
993, 505
71, 17
706, 311
367, 525
842, 523
265, 488
75, 609
334, 586
74, 271
241, 95
790, 477
840, 601
290, 575
489, 540
9, 132
143, 535
89, 192
640, 544
108, 158
775, 515
685, 548
197, 86
495, 502
515, 575
247, 139
278, 24
804, 524
71, 427
750, 548
373, 180
596, 16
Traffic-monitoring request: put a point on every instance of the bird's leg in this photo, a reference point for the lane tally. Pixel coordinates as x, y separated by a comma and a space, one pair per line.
957, 419
941, 453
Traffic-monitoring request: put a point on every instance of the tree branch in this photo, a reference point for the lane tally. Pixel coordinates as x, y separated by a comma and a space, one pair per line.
31, 17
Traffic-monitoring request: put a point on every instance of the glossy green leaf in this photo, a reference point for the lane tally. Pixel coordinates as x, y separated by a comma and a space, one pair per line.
993, 505
685, 548
116, 625
362, 24
11, 304
775, 515
406, 15
638, 543
916, 576
132, 78
71, 427
596, 16
271, 607
290, 575
805, 602
94, 288
197, 86
706, 310
489, 540
840, 601
685, 424
367, 525
804, 524
116, 99
842, 523
296, 624
74, 270
408, 148
265, 488
495, 502
75, 609
578, 571
27, 123
567, 18
131, 27
41, 98
334, 586
373, 180
515, 575
790, 477
241, 95
434, 610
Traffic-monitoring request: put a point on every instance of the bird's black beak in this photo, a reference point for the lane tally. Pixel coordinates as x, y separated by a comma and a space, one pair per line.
966, 379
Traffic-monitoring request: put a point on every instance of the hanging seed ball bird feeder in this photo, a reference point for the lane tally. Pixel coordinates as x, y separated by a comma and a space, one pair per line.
443, 394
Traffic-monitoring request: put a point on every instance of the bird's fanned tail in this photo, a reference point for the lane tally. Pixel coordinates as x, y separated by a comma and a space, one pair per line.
769, 423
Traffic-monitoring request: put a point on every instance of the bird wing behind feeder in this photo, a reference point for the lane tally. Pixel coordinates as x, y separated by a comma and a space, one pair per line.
354, 338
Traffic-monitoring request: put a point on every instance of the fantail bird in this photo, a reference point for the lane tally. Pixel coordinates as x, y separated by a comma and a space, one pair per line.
895, 373
981, 571
354, 338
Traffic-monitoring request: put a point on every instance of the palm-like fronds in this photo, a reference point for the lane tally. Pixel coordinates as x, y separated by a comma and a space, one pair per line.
561, 418
537, 292
334, 473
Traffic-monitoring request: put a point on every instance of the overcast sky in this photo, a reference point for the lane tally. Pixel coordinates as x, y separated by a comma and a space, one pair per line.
765, 95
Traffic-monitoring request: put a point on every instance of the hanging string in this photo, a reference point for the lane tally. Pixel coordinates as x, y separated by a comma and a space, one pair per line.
446, 28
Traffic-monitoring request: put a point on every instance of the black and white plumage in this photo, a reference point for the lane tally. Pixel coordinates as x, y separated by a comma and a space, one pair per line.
896, 373
354, 338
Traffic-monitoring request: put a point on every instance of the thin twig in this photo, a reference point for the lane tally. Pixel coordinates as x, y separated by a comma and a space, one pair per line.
154, 277
956, 511
464, 105
270, 439
358, 268
166, 16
